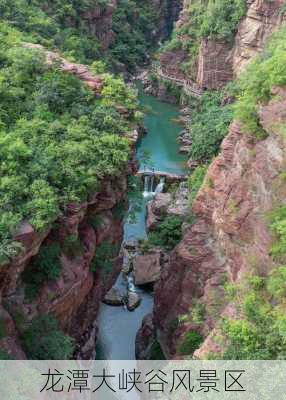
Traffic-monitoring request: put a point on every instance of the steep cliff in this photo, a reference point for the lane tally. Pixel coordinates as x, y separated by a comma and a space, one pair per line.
65, 223
227, 272
212, 43
231, 235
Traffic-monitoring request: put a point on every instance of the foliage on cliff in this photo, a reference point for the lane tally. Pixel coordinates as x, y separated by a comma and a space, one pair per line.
56, 24
256, 84
209, 125
133, 24
260, 332
43, 340
64, 25
214, 19
57, 140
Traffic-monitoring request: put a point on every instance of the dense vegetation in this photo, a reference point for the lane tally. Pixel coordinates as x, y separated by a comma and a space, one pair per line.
43, 340
260, 332
215, 19
195, 182
64, 25
209, 125
56, 24
133, 24
57, 140
255, 85
45, 266
168, 233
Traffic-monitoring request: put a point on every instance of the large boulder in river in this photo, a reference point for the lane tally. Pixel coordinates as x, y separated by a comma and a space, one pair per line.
133, 300
113, 298
157, 208
180, 206
147, 267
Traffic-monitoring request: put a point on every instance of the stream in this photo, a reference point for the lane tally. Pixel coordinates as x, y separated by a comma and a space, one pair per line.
117, 326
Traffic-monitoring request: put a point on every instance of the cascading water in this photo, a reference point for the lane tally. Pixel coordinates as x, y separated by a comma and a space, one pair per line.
149, 181
146, 185
160, 186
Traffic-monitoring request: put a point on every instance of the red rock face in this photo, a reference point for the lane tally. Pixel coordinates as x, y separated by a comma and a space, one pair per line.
79, 70
231, 236
219, 61
214, 64
263, 18
171, 62
99, 21
74, 298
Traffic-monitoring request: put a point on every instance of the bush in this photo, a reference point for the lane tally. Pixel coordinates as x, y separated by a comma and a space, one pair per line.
278, 226
156, 352
72, 246
264, 73
104, 257
220, 18
44, 267
43, 340
57, 140
209, 126
195, 182
260, 333
4, 355
191, 342
168, 233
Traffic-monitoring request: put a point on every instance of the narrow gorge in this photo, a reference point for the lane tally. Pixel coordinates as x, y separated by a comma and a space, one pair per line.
142, 187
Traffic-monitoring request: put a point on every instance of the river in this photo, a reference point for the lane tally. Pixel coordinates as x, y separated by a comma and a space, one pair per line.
117, 326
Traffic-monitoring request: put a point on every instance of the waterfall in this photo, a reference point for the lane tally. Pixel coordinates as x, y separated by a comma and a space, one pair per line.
149, 185
160, 186
152, 184
146, 184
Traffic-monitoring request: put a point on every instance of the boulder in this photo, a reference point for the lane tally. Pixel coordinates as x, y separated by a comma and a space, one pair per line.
113, 297
156, 208
145, 338
185, 149
147, 267
180, 204
133, 301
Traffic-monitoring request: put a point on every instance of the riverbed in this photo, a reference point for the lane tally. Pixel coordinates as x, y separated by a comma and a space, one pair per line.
117, 326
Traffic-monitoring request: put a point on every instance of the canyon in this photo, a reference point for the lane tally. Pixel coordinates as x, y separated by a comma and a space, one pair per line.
225, 231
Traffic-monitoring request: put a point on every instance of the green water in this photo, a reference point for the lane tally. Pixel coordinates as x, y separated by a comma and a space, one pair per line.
118, 327
162, 134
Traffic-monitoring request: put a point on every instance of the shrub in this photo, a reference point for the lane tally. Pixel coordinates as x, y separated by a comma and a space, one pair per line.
260, 332
191, 341
276, 284
104, 257
195, 182
44, 267
4, 355
278, 226
72, 246
57, 140
209, 126
264, 73
221, 17
43, 340
168, 233
156, 352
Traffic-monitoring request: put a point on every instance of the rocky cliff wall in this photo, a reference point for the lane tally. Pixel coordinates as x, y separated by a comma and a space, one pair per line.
75, 296
219, 61
231, 235
99, 22
262, 19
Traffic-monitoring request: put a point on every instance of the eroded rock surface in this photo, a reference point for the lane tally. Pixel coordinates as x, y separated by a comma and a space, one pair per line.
230, 235
147, 267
